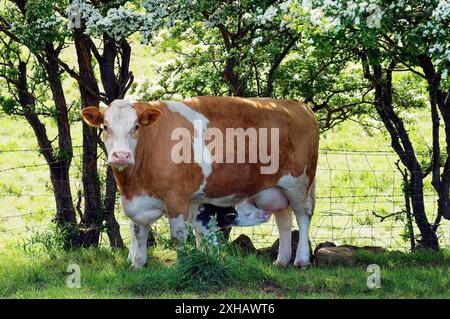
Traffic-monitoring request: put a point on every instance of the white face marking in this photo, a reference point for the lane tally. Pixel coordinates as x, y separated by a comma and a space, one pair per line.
121, 120
202, 156
250, 215
143, 210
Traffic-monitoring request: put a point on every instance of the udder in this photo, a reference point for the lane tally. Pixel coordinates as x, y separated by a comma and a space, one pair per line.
271, 200
258, 209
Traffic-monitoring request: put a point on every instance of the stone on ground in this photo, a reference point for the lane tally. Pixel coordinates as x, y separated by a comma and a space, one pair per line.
244, 243
335, 256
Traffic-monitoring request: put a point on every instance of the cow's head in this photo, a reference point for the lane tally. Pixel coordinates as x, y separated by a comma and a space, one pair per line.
121, 123
248, 214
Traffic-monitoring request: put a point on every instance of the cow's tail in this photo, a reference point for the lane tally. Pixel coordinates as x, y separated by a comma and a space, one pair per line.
311, 197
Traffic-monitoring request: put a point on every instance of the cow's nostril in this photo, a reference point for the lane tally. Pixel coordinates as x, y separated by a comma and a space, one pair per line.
121, 156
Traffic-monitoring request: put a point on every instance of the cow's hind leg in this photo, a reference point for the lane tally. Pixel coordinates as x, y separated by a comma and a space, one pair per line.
301, 201
302, 257
283, 219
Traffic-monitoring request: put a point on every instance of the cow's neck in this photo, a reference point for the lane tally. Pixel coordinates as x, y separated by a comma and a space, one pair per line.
124, 180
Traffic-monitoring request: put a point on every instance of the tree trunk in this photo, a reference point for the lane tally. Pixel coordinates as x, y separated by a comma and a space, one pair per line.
59, 176
401, 143
275, 65
441, 183
112, 227
89, 91
59, 163
232, 77
429, 238
59, 170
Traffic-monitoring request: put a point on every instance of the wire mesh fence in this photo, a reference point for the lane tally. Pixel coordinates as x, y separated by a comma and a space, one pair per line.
359, 201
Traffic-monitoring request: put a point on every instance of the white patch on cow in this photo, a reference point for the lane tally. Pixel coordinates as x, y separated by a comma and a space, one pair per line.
297, 184
178, 229
311, 198
133, 243
202, 156
143, 210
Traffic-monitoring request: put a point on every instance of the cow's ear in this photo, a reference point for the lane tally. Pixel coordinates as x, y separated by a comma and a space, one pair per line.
92, 115
149, 116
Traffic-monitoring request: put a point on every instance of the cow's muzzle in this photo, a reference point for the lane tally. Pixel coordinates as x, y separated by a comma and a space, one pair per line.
121, 159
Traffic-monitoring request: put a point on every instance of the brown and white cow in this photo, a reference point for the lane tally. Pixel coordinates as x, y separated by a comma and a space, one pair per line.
141, 139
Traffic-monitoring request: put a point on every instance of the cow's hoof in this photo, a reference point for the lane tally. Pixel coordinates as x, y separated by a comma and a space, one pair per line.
281, 263
137, 266
302, 264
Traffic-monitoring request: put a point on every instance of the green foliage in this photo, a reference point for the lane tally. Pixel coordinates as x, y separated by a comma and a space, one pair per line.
207, 265
44, 23
49, 242
8, 104
206, 36
199, 268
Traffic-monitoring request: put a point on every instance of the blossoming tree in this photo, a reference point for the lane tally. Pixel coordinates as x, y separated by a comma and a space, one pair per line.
387, 37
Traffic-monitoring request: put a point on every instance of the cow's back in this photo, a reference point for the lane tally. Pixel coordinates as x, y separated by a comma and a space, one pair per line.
298, 141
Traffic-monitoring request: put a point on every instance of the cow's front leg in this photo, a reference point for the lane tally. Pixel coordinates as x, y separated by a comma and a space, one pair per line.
178, 212
178, 228
138, 247
133, 240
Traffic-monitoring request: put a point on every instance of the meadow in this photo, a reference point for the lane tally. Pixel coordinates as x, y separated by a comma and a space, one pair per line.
357, 176
105, 274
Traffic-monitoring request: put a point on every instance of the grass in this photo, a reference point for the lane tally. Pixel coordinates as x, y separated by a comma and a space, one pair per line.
105, 274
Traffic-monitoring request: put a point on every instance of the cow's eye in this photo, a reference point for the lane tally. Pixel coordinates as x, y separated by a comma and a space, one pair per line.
136, 128
105, 127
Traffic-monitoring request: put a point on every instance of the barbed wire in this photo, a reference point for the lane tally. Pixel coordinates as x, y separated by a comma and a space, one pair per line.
354, 189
